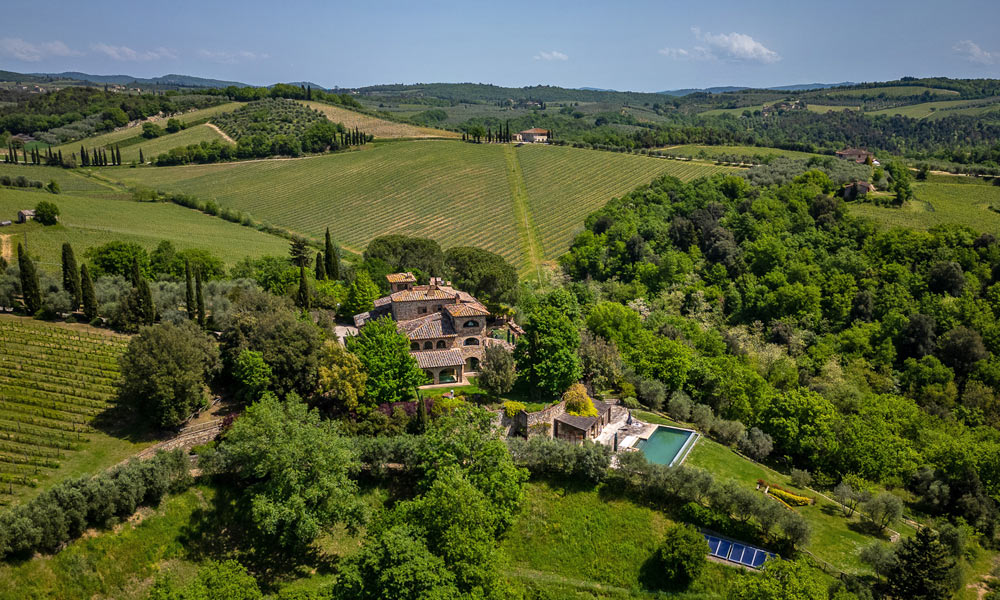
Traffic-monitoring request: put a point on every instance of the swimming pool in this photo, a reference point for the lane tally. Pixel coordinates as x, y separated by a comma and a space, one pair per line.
667, 444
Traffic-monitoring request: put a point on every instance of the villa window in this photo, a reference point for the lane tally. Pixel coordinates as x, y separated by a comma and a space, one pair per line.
472, 341
422, 309
438, 308
415, 346
442, 344
428, 346
471, 323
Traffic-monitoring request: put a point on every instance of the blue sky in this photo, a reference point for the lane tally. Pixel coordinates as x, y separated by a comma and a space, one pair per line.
626, 45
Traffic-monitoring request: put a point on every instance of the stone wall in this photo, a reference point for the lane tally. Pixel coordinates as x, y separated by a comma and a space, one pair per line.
540, 422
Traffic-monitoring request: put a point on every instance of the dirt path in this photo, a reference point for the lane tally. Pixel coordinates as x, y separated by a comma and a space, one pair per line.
5, 250
222, 133
530, 245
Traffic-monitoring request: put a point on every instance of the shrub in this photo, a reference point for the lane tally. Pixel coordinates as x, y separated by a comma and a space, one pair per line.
681, 557
701, 415
547, 457
679, 406
46, 213
801, 478
788, 497
728, 432
652, 393
511, 408
578, 402
631, 403
756, 444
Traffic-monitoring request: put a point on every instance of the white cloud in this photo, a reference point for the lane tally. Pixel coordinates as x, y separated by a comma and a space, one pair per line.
554, 55
126, 53
229, 58
34, 52
738, 47
971, 52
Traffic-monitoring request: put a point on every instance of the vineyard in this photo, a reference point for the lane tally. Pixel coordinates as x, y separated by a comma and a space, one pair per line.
53, 381
380, 128
455, 193
567, 184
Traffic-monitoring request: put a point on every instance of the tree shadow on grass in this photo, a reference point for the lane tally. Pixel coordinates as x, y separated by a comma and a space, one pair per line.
868, 528
118, 422
220, 532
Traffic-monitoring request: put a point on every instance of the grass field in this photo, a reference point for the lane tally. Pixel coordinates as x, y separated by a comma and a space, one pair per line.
380, 128
825, 108
54, 380
455, 193
120, 136
939, 203
836, 539
941, 109
91, 220
154, 147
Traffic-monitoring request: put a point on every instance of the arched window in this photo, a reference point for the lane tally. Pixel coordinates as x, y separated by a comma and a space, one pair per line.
471, 341
442, 344
428, 346
415, 346
471, 323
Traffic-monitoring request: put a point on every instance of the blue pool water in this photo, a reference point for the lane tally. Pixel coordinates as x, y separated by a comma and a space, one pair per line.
664, 444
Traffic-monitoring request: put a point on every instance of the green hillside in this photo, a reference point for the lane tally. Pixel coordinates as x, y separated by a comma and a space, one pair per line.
455, 193
91, 220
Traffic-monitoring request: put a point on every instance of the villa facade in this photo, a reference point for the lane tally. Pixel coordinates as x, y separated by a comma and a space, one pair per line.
446, 327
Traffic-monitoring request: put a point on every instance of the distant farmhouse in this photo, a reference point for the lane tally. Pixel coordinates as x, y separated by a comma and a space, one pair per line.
531, 135
856, 189
446, 327
23, 216
859, 156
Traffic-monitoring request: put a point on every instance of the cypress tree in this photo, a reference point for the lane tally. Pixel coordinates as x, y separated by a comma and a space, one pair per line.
332, 258
200, 298
30, 291
148, 310
320, 267
71, 275
142, 160
134, 273
25, 152
118, 158
87, 293
302, 297
60, 158
189, 301
83, 156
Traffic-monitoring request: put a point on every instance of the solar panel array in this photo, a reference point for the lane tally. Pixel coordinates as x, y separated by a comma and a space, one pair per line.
736, 552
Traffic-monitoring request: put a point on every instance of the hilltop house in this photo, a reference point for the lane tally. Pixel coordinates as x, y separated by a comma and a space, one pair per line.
856, 189
857, 155
23, 216
446, 327
531, 135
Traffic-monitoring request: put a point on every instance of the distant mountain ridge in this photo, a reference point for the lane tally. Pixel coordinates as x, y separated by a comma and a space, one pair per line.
172, 79
799, 87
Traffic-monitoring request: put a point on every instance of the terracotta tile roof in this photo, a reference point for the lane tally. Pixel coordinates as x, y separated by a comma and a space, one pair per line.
401, 277
535, 130
383, 301
432, 359
470, 309
421, 294
431, 326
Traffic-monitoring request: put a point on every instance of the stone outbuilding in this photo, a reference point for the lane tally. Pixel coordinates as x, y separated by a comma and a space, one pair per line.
23, 216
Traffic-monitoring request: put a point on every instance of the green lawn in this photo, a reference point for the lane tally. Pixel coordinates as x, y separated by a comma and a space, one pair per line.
119, 564
835, 538
965, 202
87, 221
576, 539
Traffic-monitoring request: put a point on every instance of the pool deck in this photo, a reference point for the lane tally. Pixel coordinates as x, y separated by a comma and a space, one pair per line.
638, 431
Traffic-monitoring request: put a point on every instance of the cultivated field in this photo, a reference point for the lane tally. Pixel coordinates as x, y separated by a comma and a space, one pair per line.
130, 135
892, 91
91, 220
942, 109
710, 152
380, 128
54, 380
941, 203
455, 193
566, 184
154, 147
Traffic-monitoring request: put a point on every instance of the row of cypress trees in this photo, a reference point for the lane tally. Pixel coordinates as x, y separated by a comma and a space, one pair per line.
100, 157
327, 267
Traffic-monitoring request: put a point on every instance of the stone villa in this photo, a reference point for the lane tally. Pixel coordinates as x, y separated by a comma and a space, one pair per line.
446, 327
